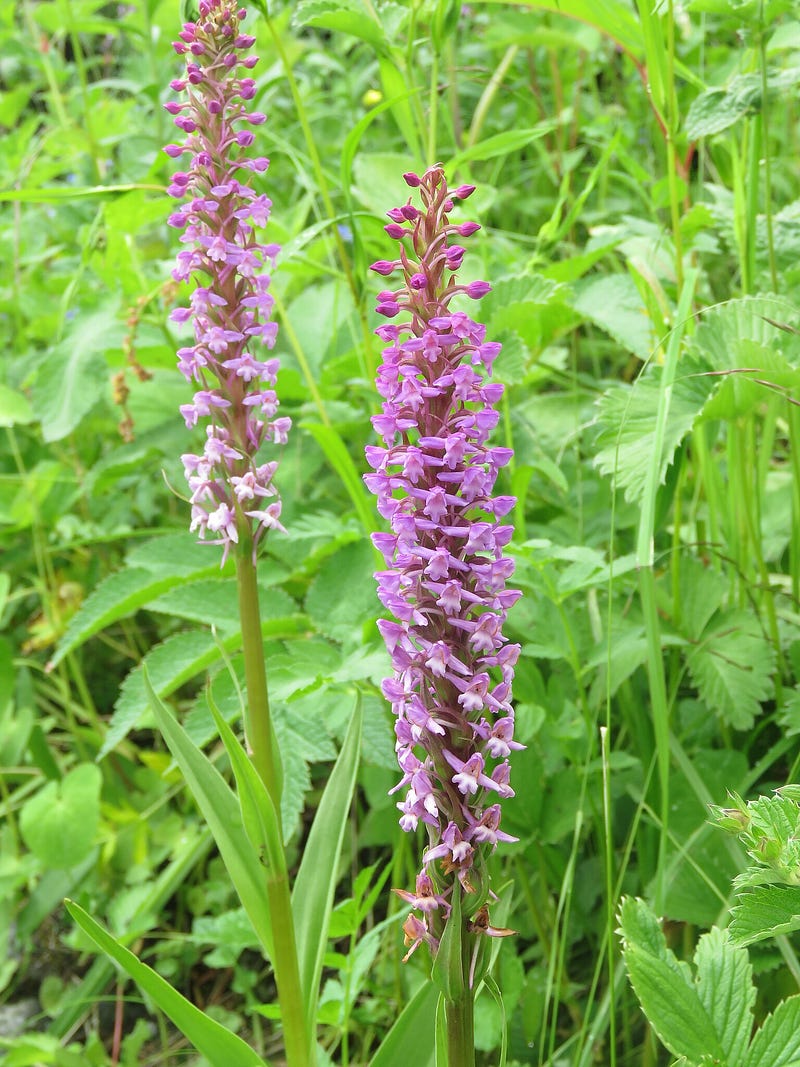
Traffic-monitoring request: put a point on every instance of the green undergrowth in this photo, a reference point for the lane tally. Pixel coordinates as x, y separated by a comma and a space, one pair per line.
637, 185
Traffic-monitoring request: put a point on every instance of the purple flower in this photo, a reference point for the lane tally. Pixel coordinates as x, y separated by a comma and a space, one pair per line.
231, 307
445, 581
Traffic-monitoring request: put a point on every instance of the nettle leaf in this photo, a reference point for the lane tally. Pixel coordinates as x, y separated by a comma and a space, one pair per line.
178, 553
296, 776
765, 911
701, 593
664, 986
613, 303
347, 16
777, 1043
342, 595
717, 344
60, 822
72, 377
627, 418
719, 108
726, 990
732, 668
119, 596
215, 602
169, 665
532, 307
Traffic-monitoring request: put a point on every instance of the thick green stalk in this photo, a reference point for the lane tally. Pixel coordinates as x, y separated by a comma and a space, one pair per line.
258, 724
460, 1031
266, 759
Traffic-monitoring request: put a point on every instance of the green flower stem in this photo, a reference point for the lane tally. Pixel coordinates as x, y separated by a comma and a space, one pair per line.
258, 724
460, 1031
264, 754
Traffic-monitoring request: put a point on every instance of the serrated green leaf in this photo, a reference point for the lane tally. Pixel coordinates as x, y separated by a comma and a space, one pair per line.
732, 668
664, 987
169, 665
726, 990
342, 595
777, 1043
613, 303
718, 109
120, 595
296, 776
765, 911
627, 417
344, 16
219, 1046
214, 602
175, 662
701, 592
180, 554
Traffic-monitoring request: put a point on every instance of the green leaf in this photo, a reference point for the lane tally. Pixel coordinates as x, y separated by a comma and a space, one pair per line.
59, 824
312, 896
726, 990
120, 595
613, 18
221, 811
72, 378
258, 812
717, 109
331, 443
394, 83
14, 408
500, 144
448, 967
777, 1043
174, 662
497, 996
732, 667
411, 1038
344, 16
219, 1046
627, 438
664, 987
613, 303
342, 595
765, 911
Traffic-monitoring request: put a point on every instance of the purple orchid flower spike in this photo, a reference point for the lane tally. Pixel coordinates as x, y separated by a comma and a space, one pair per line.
230, 310
445, 576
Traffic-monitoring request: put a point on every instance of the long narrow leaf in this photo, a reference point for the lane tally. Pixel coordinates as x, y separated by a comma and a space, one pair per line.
221, 811
219, 1046
189, 851
261, 820
312, 898
411, 1040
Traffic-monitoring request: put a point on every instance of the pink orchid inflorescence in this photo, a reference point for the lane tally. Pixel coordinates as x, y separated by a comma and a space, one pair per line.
446, 574
231, 309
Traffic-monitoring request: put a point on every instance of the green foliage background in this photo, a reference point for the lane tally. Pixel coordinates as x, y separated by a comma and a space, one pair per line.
640, 202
